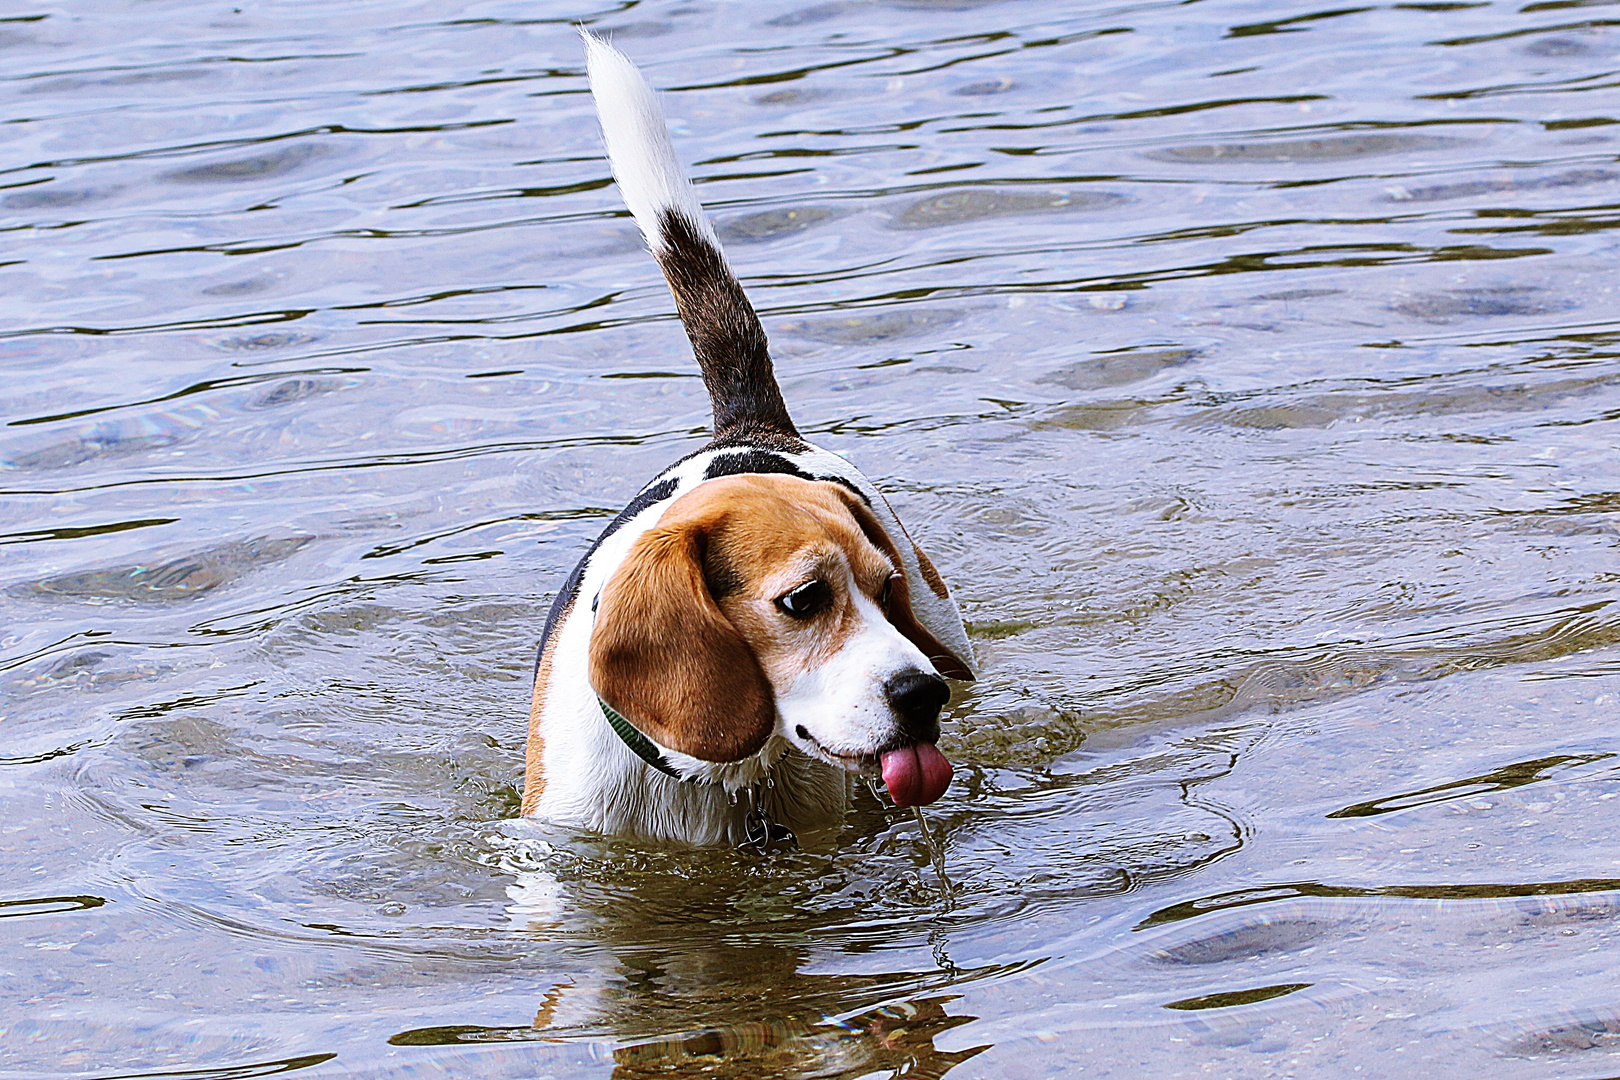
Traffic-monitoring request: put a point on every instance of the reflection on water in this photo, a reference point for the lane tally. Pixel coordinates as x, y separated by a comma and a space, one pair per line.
1512, 776
1236, 997
175, 579
1252, 375
1291, 150
897, 1039
971, 204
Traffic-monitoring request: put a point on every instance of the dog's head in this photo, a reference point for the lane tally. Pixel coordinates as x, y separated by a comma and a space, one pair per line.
767, 604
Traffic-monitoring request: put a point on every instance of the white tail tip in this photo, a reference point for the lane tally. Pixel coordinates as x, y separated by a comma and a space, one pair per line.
638, 144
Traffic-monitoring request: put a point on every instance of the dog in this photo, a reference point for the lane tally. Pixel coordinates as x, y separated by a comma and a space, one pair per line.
756, 628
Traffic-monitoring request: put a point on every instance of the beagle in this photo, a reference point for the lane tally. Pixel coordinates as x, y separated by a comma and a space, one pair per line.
755, 628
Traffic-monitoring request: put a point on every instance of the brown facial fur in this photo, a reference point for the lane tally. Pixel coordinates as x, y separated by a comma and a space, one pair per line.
789, 532
688, 639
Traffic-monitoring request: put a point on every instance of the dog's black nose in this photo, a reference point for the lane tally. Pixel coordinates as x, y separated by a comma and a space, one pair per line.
916, 698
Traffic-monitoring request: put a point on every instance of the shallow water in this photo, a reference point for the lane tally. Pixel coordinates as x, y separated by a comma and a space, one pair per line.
1252, 374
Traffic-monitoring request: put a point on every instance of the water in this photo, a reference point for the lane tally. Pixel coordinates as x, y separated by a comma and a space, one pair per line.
1251, 372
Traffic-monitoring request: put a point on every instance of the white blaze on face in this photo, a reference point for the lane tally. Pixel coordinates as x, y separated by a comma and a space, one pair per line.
841, 702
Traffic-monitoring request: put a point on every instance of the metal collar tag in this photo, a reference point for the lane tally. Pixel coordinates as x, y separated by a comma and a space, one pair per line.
764, 836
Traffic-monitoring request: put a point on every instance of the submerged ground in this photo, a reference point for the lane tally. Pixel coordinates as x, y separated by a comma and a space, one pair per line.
1251, 370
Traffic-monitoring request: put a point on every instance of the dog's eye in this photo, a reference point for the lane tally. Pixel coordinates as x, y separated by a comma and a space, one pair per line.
807, 600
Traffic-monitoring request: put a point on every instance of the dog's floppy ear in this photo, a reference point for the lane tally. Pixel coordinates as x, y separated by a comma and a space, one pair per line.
898, 608
666, 658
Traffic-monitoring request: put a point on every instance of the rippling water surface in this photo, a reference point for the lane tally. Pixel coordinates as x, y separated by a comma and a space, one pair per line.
1252, 370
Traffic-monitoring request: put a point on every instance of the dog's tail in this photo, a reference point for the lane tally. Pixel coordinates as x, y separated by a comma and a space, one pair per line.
726, 336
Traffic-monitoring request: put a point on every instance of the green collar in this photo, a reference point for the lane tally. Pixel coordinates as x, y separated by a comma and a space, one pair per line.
638, 743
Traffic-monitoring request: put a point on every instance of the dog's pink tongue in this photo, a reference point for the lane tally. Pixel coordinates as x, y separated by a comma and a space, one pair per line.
916, 775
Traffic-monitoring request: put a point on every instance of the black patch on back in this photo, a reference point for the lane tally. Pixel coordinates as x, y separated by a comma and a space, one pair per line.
752, 461
644, 498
